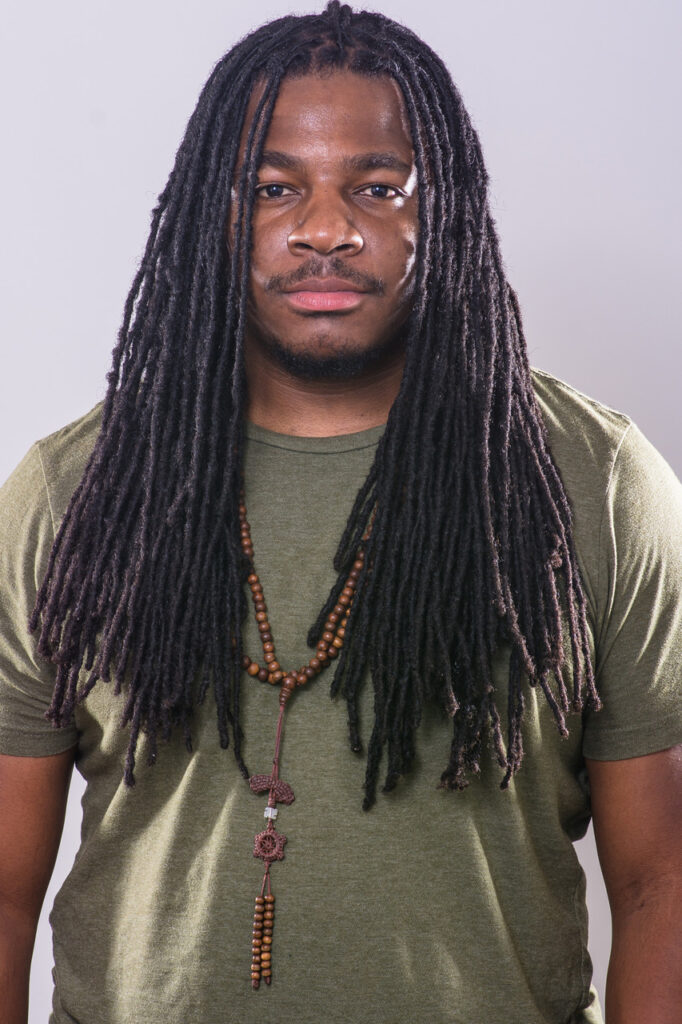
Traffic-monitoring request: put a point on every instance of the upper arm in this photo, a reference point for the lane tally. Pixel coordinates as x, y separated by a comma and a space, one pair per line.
637, 813
33, 792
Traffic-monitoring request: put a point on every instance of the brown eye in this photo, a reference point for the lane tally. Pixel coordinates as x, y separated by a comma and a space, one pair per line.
379, 191
272, 191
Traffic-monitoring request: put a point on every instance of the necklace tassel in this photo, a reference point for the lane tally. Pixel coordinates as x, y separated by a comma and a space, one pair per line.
263, 924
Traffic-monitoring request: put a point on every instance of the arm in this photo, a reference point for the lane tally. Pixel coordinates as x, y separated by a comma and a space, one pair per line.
33, 794
637, 811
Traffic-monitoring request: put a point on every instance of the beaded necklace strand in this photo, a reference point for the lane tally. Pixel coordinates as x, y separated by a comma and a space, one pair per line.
269, 844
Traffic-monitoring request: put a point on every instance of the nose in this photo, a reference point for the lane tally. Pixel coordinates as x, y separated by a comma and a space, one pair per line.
324, 226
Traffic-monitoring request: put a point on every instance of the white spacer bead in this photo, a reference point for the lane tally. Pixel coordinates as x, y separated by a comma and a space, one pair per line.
270, 812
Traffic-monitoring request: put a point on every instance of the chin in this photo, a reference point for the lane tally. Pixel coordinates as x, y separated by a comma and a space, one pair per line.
321, 361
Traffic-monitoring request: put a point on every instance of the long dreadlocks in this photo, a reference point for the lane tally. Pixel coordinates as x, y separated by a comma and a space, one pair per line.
471, 545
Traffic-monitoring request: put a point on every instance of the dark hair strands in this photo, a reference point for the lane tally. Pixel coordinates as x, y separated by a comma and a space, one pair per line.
471, 548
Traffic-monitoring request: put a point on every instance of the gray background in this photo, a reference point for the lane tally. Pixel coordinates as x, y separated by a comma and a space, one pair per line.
578, 109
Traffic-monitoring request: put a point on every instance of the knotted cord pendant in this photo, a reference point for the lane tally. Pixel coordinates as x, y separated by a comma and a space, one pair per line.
269, 844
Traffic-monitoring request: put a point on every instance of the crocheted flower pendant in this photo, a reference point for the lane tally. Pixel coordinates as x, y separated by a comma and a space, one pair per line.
269, 845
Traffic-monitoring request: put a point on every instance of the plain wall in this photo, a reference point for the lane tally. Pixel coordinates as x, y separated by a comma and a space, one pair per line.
578, 110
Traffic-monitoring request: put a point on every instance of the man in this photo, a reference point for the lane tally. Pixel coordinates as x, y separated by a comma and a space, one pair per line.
323, 453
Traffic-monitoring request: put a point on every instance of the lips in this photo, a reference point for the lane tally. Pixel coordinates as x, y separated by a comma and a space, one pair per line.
323, 295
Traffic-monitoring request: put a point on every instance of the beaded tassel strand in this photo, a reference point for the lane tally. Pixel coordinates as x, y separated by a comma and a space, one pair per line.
263, 923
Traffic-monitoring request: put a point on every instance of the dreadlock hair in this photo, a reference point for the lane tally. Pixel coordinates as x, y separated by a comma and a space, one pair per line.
471, 545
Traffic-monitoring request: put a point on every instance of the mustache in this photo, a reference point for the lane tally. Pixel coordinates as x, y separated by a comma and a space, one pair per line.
321, 268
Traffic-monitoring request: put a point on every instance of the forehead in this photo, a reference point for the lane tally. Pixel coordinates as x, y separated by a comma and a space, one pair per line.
340, 109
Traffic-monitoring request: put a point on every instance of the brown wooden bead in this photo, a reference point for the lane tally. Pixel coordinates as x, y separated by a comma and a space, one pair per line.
339, 609
269, 898
252, 578
259, 605
263, 627
269, 657
359, 562
266, 637
266, 974
323, 657
260, 900
261, 616
337, 642
253, 669
315, 664
263, 675
246, 661
348, 591
274, 666
265, 959
268, 647
267, 931
310, 673
341, 631
332, 620
327, 636
267, 940
332, 652
344, 599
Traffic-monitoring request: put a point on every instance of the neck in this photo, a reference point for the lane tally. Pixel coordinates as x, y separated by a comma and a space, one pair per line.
282, 402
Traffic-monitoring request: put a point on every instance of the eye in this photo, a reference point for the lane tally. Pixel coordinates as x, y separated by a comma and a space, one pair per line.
273, 191
379, 191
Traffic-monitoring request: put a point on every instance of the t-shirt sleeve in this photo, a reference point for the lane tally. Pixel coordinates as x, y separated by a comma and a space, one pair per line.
26, 678
639, 631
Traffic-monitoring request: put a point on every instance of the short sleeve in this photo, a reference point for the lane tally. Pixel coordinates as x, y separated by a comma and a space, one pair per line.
638, 637
26, 679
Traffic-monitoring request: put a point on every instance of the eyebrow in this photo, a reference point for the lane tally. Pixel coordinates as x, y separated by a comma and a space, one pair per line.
360, 162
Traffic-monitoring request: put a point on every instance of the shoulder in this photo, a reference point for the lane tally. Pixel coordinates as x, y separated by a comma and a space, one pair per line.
585, 436
586, 439
63, 457
623, 495
35, 496
599, 452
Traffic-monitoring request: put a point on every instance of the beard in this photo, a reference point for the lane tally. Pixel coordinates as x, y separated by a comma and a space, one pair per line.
317, 363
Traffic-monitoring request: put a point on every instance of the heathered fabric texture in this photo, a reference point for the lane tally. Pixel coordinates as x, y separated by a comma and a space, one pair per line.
446, 908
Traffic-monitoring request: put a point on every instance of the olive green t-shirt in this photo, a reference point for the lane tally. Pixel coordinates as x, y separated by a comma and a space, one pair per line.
433, 907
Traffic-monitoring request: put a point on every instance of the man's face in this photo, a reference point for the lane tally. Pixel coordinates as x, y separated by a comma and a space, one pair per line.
334, 226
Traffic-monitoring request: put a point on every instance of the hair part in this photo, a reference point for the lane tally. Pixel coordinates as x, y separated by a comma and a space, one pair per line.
471, 549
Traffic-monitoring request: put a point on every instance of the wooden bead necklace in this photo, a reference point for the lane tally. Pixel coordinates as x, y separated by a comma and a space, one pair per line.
269, 844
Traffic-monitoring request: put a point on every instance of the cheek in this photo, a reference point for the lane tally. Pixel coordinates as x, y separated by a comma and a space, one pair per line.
406, 259
269, 250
